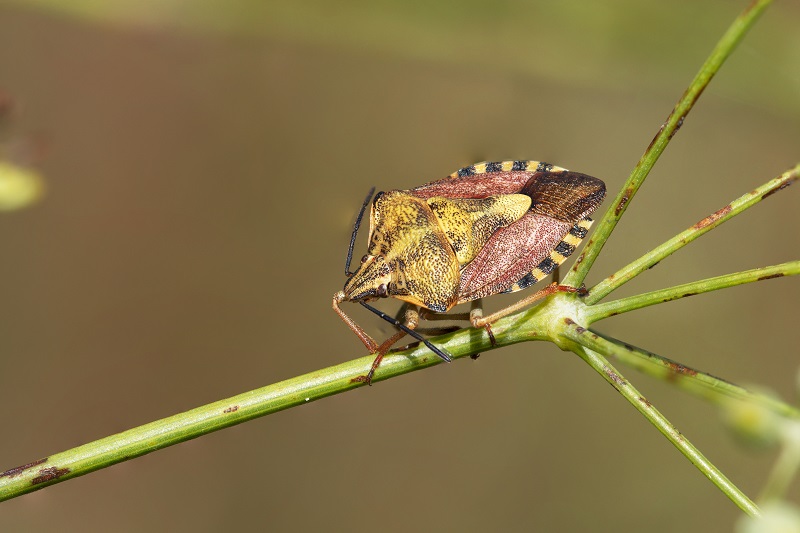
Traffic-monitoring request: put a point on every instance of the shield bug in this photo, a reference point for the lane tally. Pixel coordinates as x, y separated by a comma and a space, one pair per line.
486, 229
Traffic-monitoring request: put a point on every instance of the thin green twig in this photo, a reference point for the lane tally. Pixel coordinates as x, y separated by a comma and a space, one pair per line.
608, 222
617, 307
591, 347
709, 387
630, 271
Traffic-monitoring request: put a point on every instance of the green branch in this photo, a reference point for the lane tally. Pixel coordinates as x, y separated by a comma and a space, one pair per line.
591, 344
627, 273
707, 386
241, 408
608, 222
624, 305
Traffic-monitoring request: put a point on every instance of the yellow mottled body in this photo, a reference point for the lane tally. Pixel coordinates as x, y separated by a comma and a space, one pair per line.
417, 247
489, 228
468, 223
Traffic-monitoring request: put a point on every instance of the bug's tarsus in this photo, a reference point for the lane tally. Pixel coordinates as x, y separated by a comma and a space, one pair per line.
488, 328
355, 232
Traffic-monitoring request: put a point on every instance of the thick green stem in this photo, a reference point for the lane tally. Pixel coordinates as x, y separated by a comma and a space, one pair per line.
237, 409
617, 307
591, 346
608, 222
627, 273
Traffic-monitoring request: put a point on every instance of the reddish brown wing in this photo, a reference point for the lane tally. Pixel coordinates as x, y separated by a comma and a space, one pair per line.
566, 196
485, 179
510, 254
560, 201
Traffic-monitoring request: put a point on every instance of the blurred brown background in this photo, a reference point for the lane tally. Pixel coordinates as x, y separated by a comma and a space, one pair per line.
204, 166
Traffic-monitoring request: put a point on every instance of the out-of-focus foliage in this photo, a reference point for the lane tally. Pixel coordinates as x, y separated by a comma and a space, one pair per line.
19, 186
546, 39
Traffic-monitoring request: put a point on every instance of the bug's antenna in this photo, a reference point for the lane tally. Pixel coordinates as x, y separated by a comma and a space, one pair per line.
355, 232
438, 351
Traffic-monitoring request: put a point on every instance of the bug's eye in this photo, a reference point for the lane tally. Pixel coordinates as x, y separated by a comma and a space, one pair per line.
382, 290
364, 259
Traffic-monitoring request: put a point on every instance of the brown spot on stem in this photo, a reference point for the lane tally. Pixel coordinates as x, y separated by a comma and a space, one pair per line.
474, 356
678, 368
17, 470
568, 321
780, 187
677, 126
712, 218
771, 276
580, 330
653, 141
684, 295
231, 409
645, 401
613, 376
49, 474
626, 196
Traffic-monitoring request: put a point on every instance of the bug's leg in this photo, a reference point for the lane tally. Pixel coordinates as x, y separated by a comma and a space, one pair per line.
368, 341
525, 302
431, 316
411, 320
476, 319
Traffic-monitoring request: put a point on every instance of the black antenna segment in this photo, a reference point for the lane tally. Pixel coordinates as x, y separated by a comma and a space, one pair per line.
355, 232
438, 351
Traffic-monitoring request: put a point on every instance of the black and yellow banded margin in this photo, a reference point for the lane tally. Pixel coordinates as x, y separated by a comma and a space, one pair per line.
558, 255
505, 166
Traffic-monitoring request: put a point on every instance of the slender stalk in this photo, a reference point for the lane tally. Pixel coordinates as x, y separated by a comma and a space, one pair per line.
241, 408
592, 346
624, 305
721, 51
630, 271
712, 388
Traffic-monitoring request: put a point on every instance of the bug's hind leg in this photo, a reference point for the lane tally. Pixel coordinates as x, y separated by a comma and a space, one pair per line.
410, 319
553, 288
476, 319
475, 313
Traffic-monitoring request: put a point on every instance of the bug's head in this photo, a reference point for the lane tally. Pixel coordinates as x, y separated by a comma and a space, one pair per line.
372, 279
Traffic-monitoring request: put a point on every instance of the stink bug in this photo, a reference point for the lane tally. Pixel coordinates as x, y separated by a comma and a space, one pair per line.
486, 229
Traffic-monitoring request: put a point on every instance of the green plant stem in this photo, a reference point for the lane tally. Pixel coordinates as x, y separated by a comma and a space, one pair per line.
707, 386
592, 346
630, 271
237, 409
608, 222
624, 305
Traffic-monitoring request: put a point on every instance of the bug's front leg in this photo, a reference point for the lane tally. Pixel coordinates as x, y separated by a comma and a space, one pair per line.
411, 321
368, 341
